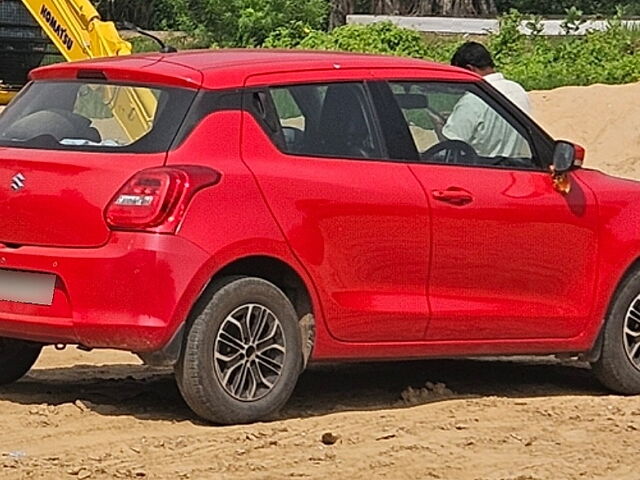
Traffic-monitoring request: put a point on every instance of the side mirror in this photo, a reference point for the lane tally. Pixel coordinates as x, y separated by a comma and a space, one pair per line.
566, 156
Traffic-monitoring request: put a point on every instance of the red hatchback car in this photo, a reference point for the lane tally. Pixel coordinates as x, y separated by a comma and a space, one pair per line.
237, 214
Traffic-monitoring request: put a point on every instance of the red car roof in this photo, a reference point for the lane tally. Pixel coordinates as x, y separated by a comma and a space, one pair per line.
230, 68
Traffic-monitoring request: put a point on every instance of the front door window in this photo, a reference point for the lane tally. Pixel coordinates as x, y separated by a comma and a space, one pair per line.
455, 124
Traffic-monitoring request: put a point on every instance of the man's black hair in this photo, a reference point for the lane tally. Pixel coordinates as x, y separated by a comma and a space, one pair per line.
474, 54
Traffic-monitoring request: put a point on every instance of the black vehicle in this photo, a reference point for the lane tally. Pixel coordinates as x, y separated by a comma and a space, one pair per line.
23, 45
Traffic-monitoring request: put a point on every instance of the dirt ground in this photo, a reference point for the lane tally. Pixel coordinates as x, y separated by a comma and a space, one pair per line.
104, 415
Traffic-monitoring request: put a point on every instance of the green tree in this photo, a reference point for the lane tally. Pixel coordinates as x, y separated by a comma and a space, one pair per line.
149, 14
230, 23
248, 23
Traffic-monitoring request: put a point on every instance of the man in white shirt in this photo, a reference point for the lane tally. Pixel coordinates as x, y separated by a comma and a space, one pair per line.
473, 121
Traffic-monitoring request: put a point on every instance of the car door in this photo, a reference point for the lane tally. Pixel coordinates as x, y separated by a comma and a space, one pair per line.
512, 258
357, 222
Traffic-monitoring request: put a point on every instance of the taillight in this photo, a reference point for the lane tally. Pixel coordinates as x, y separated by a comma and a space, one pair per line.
156, 199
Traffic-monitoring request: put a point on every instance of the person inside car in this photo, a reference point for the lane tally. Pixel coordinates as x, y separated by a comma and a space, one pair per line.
473, 121
475, 57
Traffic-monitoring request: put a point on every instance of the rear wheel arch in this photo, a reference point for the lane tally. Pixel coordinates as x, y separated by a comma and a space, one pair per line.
281, 274
273, 270
269, 268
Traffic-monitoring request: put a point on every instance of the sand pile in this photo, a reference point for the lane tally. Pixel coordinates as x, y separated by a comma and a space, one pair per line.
604, 119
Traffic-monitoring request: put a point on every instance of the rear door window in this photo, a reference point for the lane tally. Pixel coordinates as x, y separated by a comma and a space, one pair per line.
332, 120
95, 116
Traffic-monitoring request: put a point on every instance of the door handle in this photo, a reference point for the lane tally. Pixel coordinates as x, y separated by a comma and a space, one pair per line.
453, 195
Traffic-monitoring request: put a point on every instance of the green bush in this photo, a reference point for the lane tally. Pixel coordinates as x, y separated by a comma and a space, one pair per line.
227, 23
150, 14
382, 38
559, 7
247, 23
181, 42
226, 15
538, 62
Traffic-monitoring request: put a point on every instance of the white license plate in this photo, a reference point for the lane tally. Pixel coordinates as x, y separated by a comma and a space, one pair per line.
27, 287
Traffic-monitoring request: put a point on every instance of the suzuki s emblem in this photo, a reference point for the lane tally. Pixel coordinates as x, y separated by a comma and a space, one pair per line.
17, 182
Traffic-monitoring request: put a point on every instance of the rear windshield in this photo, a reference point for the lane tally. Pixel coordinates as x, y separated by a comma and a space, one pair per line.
94, 116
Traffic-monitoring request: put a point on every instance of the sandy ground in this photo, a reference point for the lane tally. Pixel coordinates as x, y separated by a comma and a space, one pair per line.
103, 415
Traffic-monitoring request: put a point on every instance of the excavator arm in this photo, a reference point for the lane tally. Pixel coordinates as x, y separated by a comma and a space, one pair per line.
78, 32
76, 29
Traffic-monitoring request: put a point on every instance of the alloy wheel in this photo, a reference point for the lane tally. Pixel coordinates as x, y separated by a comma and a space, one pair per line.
631, 334
249, 352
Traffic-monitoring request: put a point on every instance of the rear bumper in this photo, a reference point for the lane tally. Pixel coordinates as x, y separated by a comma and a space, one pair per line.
131, 294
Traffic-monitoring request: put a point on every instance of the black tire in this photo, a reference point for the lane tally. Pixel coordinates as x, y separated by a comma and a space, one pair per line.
200, 377
615, 369
16, 359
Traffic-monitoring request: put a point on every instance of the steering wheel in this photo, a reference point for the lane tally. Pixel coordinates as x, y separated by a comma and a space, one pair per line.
453, 151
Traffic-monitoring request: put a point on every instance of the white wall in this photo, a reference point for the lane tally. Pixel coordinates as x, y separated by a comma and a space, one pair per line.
473, 26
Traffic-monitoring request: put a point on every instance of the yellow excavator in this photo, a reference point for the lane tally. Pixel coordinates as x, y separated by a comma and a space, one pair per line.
78, 33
